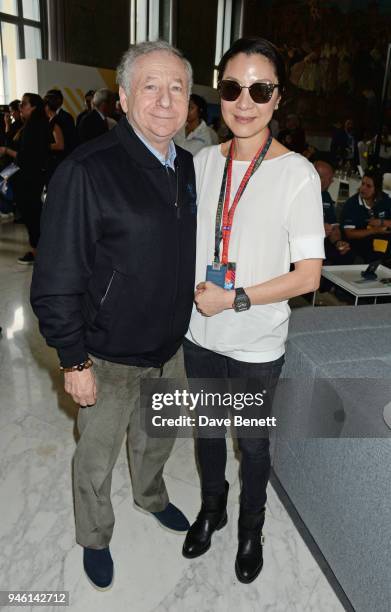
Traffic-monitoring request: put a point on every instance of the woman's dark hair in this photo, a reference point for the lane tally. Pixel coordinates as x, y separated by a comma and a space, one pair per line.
39, 107
202, 106
14, 105
377, 178
251, 46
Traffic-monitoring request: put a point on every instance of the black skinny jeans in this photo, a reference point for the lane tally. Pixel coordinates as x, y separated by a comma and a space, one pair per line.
212, 452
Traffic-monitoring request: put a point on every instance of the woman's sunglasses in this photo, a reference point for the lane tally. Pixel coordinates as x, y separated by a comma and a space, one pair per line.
259, 92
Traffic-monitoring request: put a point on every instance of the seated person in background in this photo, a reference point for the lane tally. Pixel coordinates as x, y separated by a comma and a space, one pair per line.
367, 214
88, 106
96, 122
196, 134
337, 250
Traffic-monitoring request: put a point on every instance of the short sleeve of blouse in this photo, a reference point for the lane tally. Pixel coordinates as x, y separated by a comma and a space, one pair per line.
305, 221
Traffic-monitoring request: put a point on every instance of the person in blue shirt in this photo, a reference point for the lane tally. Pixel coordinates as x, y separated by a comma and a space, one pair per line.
337, 250
366, 215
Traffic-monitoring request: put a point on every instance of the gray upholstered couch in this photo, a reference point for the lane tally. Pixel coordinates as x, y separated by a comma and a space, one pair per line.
333, 456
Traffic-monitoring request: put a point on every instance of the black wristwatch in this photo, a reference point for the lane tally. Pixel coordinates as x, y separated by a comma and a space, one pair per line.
241, 301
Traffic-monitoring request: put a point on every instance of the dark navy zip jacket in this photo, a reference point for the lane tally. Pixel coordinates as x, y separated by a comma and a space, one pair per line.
114, 274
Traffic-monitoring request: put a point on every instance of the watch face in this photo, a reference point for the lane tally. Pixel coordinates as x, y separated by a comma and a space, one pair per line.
241, 303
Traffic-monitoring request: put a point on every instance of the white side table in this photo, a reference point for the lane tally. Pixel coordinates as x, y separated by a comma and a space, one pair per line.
350, 279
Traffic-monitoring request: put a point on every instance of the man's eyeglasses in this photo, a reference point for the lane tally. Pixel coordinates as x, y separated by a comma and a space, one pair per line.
260, 92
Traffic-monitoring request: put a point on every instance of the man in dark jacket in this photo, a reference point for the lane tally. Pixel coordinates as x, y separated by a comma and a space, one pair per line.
95, 123
88, 106
65, 121
113, 284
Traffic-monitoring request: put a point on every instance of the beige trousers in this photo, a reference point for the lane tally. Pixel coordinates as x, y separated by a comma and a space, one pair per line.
102, 429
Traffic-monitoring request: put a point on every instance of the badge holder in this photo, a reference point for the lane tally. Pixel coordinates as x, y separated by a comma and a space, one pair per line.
222, 275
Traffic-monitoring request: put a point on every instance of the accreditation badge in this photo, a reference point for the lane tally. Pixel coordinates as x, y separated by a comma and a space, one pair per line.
222, 275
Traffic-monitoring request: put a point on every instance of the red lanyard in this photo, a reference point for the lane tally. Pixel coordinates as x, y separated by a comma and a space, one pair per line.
228, 213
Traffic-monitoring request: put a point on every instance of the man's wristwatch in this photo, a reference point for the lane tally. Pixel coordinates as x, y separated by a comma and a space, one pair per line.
241, 301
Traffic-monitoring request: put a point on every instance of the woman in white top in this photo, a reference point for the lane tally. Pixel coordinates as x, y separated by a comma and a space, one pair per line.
255, 218
196, 134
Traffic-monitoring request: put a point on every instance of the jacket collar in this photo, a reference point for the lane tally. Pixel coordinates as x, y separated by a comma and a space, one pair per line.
99, 114
134, 146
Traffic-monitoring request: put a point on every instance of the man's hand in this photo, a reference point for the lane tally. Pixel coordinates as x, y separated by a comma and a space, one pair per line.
81, 386
343, 247
211, 299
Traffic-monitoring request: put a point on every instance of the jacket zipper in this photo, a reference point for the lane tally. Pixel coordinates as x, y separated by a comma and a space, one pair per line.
107, 289
177, 244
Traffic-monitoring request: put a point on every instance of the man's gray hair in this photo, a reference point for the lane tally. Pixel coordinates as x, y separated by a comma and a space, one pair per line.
126, 65
102, 95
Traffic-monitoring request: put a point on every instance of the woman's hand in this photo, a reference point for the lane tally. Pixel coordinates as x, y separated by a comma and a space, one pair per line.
211, 299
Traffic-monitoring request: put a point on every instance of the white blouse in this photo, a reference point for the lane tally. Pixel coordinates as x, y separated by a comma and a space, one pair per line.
279, 220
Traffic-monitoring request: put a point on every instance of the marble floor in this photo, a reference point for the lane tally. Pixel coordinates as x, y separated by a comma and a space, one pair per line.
37, 547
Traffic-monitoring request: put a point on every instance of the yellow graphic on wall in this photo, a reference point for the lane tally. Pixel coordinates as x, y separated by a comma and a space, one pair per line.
73, 99
109, 78
74, 80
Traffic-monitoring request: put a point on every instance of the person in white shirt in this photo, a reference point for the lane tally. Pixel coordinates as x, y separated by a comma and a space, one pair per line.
255, 219
196, 134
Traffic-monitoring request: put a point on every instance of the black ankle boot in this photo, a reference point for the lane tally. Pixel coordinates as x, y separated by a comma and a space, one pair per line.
249, 560
211, 517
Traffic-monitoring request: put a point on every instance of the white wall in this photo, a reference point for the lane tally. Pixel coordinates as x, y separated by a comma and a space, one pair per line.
37, 76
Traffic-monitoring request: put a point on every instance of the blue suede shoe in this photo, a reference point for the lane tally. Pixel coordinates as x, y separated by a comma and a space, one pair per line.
98, 566
171, 518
